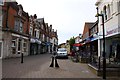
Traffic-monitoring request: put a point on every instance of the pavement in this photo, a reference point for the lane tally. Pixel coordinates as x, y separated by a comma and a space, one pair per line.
38, 67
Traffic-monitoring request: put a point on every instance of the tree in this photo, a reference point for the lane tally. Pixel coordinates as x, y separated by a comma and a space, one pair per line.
71, 42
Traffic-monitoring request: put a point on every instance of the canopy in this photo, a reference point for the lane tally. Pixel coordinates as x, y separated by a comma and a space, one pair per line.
77, 44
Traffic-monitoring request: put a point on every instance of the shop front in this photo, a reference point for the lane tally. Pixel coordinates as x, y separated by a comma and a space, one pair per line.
113, 49
112, 46
48, 44
35, 46
85, 50
14, 45
94, 50
43, 47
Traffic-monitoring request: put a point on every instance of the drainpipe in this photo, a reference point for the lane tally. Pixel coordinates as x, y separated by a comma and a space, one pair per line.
7, 16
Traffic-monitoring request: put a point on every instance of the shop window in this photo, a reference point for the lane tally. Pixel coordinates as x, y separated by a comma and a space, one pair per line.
13, 43
13, 46
24, 45
19, 45
115, 53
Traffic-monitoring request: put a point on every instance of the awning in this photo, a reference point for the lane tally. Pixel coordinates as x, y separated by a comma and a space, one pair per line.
32, 40
77, 44
93, 39
38, 41
48, 43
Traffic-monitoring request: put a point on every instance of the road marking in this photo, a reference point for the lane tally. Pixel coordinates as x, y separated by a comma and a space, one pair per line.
85, 71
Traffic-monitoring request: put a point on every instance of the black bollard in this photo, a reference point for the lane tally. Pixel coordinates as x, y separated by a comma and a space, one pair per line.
21, 57
56, 64
52, 63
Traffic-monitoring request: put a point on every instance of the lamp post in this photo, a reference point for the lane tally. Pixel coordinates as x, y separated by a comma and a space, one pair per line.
21, 49
104, 54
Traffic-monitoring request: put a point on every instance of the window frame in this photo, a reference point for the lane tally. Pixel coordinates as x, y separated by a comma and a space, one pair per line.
18, 25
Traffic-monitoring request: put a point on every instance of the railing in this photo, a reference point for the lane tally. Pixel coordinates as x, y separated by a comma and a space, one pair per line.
110, 63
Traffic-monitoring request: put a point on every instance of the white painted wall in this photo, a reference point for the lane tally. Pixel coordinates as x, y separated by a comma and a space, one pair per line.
112, 23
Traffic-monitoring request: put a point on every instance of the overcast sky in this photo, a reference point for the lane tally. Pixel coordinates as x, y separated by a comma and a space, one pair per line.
66, 16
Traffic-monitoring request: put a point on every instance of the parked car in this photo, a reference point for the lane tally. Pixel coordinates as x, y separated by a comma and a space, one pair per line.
62, 52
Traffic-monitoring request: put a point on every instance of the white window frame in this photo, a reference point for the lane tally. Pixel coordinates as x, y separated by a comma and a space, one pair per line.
24, 47
21, 26
19, 51
14, 45
18, 25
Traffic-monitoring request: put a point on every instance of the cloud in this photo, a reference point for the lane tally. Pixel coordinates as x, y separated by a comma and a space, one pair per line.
66, 16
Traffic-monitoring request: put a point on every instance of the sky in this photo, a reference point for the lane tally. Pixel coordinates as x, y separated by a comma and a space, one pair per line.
66, 16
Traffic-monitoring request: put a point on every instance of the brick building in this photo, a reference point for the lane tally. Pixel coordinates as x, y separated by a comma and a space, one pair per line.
15, 30
34, 32
24, 34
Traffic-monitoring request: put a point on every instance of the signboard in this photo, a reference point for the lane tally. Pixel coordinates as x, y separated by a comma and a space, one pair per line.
113, 31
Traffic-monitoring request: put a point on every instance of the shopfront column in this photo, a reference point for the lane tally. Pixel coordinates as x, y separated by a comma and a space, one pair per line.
99, 49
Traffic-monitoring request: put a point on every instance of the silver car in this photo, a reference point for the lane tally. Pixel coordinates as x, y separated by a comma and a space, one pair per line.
62, 52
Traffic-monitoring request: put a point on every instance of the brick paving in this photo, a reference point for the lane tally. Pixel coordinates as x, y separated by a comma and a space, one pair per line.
38, 67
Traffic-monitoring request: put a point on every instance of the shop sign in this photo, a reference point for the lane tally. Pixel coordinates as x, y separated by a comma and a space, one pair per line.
113, 31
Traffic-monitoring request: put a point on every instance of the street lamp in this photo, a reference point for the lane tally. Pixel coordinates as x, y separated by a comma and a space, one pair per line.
21, 49
104, 54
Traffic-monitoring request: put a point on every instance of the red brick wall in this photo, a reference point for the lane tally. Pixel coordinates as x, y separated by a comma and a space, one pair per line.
12, 12
11, 19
